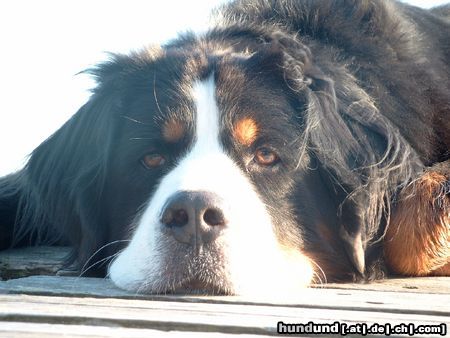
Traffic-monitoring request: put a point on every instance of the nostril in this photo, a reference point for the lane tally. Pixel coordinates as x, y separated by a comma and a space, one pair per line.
214, 217
180, 218
175, 218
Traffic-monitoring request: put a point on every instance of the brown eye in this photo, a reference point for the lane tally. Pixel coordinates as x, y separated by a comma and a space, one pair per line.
264, 156
151, 161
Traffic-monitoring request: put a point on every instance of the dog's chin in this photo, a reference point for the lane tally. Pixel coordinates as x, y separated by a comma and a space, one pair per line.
203, 275
196, 286
182, 286
182, 270
196, 276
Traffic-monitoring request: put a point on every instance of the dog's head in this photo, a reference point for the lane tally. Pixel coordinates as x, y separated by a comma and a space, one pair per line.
218, 164
211, 145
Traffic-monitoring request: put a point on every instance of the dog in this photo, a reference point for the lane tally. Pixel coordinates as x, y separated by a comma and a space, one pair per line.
295, 142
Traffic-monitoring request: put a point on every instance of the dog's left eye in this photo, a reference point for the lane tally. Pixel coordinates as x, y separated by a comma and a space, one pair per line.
151, 161
266, 157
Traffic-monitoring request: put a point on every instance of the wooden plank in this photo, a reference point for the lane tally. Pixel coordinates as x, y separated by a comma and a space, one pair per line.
186, 317
41, 260
362, 300
67, 286
39, 330
435, 285
16, 263
90, 307
53, 306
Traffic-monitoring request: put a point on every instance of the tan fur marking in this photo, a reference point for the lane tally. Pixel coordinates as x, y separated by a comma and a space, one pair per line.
173, 131
246, 131
417, 241
442, 271
326, 233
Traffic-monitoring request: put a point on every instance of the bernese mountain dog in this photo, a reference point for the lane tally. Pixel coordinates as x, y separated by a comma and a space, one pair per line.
295, 142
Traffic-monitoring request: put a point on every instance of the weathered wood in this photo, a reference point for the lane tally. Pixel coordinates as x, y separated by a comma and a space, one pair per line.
436, 285
41, 260
184, 316
66, 286
91, 307
39, 330
351, 299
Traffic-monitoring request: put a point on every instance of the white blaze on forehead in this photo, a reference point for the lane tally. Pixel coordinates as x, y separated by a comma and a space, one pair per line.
207, 117
250, 251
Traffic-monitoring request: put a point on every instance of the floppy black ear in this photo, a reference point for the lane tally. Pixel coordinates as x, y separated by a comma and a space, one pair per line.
337, 147
339, 151
328, 135
364, 156
63, 181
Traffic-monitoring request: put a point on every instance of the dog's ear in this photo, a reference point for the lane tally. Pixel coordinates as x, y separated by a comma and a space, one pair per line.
331, 138
63, 181
334, 143
363, 154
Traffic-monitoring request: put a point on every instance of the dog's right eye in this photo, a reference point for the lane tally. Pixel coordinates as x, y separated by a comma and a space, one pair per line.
153, 160
266, 157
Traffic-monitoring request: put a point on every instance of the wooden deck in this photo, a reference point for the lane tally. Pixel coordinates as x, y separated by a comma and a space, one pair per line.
69, 306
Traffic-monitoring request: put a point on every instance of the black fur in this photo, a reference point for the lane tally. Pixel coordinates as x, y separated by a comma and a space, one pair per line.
363, 88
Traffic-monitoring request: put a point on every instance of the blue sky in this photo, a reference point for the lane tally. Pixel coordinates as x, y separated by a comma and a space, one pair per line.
46, 43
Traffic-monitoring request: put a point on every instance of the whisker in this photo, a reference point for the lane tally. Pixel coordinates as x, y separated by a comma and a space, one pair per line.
98, 262
141, 287
317, 275
96, 252
154, 94
134, 120
139, 138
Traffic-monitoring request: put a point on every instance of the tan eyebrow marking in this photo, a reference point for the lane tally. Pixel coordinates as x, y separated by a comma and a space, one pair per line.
246, 131
173, 131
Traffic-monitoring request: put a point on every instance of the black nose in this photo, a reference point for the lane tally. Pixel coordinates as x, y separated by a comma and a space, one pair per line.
195, 218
